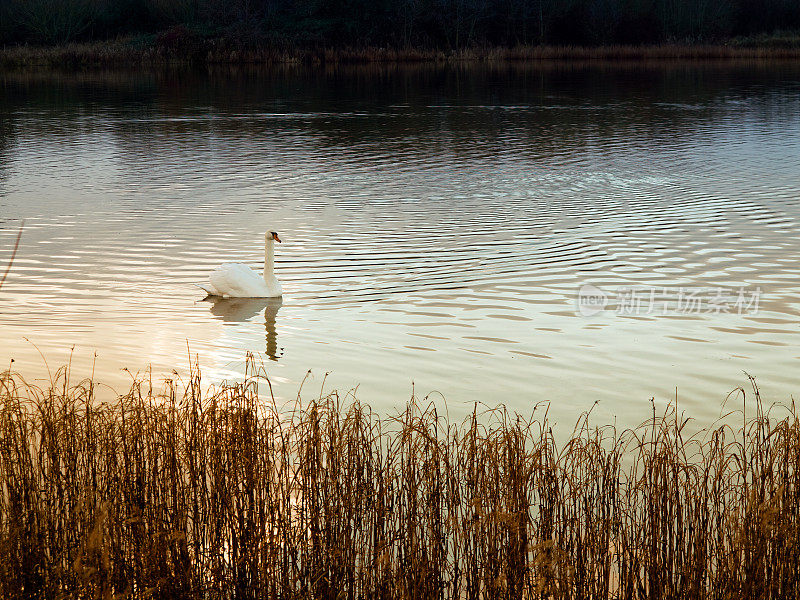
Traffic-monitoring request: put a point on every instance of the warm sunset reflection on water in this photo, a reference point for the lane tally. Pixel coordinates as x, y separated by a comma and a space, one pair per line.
437, 225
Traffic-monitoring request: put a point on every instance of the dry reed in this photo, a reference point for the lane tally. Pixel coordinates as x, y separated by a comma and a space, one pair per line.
13, 256
186, 493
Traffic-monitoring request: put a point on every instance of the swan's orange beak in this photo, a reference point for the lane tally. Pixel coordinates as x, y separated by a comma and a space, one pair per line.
276, 238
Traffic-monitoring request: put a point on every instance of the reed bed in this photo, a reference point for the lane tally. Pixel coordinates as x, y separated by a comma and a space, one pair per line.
186, 492
186, 50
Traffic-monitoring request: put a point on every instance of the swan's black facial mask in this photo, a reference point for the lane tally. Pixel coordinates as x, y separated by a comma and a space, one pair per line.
275, 237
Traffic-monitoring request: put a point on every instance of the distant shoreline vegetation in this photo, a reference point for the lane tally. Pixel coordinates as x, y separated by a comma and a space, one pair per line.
180, 50
36, 32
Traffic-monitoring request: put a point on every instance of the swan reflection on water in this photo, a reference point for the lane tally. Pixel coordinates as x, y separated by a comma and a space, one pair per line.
241, 310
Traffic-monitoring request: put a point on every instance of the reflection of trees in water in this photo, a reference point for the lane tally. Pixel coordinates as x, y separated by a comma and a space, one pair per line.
69, 95
251, 116
425, 111
240, 310
7, 141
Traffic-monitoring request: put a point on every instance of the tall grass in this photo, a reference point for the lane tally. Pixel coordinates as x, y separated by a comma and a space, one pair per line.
190, 493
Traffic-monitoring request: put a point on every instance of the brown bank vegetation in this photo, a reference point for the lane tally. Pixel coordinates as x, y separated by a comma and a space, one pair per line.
194, 493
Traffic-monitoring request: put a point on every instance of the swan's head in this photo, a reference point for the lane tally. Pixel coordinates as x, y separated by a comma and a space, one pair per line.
273, 235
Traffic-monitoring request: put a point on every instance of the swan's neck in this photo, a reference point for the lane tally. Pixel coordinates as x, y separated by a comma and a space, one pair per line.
269, 259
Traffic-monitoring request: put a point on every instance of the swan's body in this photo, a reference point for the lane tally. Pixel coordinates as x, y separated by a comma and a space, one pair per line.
235, 280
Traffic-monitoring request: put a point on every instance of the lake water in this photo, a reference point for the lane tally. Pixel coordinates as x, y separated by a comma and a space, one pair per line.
438, 224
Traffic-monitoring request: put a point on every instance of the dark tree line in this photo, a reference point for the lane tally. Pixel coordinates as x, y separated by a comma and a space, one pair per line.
445, 24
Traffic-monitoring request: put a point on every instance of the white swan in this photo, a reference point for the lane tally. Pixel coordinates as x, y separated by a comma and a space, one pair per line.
235, 280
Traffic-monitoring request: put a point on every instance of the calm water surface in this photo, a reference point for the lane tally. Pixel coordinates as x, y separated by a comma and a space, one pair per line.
438, 224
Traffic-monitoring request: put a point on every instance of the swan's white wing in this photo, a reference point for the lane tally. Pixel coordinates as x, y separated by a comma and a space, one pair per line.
238, 281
